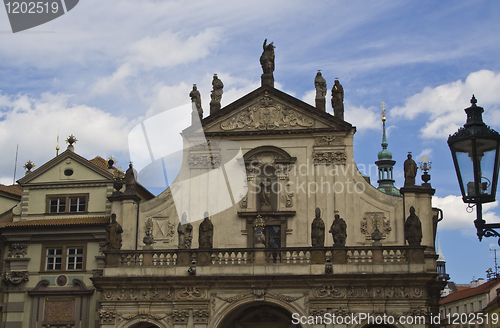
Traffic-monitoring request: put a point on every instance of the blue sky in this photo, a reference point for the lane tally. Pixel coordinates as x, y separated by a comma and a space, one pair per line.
105, 66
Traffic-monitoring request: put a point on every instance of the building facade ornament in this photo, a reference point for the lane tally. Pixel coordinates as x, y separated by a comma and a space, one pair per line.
18, 250
15, 278
329, 157
373, 220
107, 316
327, 140
204, 161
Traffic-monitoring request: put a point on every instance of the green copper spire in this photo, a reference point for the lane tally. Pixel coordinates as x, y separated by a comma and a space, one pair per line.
385, 164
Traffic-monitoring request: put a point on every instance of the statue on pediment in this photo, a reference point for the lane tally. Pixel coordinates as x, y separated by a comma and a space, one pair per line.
339, 231
114, 234
320, 85
196, 99
206, 233
338, 100
318, 230
410, 169
413, 229
265, 195
185, 231
130, 181
267, 58
216, 94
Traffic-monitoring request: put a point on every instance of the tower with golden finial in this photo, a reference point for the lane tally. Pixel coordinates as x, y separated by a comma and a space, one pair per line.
385, 163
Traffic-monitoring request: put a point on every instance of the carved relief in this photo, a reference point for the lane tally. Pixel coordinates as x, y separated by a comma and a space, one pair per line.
233, 298
285, 298
107, 316
152, 294
288, 198
333, 157
190, 293
368, 292
180, 315
204, 161
15, 278
327, 140
244, 202
163, 229
259, 294
372, 220
267, 116
18, 249
144, 314
200, 315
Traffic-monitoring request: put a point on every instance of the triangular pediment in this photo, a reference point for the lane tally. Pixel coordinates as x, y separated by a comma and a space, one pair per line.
54, 171
268, 110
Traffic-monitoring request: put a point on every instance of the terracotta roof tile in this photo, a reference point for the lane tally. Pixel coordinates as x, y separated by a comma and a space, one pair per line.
61, 222
103, 164
469, 292
6, 218
15, 190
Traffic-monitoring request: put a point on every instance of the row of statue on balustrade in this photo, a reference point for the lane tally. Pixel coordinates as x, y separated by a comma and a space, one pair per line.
338, 229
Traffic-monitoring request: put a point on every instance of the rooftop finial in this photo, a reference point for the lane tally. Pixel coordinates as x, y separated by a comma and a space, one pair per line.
383, 111
384, 138
57, 146
29, 166
473, 100
70, 141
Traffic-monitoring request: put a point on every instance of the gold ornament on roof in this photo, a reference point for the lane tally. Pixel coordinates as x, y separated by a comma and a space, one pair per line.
383, 111
29, 165
71, 140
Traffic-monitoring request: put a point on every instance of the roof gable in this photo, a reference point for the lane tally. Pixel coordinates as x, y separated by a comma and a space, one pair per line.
268, 110
53, 170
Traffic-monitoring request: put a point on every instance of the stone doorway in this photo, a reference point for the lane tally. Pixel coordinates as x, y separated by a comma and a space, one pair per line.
259, 315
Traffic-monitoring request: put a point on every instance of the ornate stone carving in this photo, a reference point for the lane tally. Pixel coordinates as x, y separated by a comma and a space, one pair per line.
18, 249
329, 292
107, 316
205, 145
413, 229
233, 299
373, 220
259, 294
196, 98
244, 202
15, 278
327, 140
204, 161
163, 230
144, 314
259, 117
285, 298
267, 58
180, 315
289, 198
320, 85
200, 315
191, 293
333, 157
314, 311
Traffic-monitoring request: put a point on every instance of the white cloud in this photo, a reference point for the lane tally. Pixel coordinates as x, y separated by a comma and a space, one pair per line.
363, 118
444, 104
34, 122
456, 216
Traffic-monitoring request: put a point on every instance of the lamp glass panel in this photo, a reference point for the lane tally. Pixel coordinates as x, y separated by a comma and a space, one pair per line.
463, 153
486, 153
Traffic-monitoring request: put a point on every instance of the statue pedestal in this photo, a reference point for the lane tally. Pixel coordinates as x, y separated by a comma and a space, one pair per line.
320, 104
267, 79
214, 108
339, 255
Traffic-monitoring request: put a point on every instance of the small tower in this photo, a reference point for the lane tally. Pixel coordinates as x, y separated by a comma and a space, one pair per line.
385, 165
441, 262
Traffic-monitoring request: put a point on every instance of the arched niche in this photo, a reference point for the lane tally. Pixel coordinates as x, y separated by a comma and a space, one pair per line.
258, 315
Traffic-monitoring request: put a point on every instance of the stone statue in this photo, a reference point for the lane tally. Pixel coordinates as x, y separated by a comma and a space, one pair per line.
339, 231
410, 168
185, 231
206, 233
130, 181
318, 230
216, 94
320, 85
338, 100
413, 229
267, 58
114, 234
196, 98
265, 195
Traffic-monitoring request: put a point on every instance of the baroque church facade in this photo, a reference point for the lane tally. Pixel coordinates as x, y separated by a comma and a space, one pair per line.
269, 223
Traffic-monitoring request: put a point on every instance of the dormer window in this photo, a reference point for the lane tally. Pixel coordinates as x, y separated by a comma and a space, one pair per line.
67, 203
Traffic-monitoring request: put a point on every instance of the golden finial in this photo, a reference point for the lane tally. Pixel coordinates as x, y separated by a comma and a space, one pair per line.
29, 165
71, 140
383, 111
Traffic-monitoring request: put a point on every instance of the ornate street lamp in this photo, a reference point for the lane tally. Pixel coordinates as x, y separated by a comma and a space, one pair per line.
475, 150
